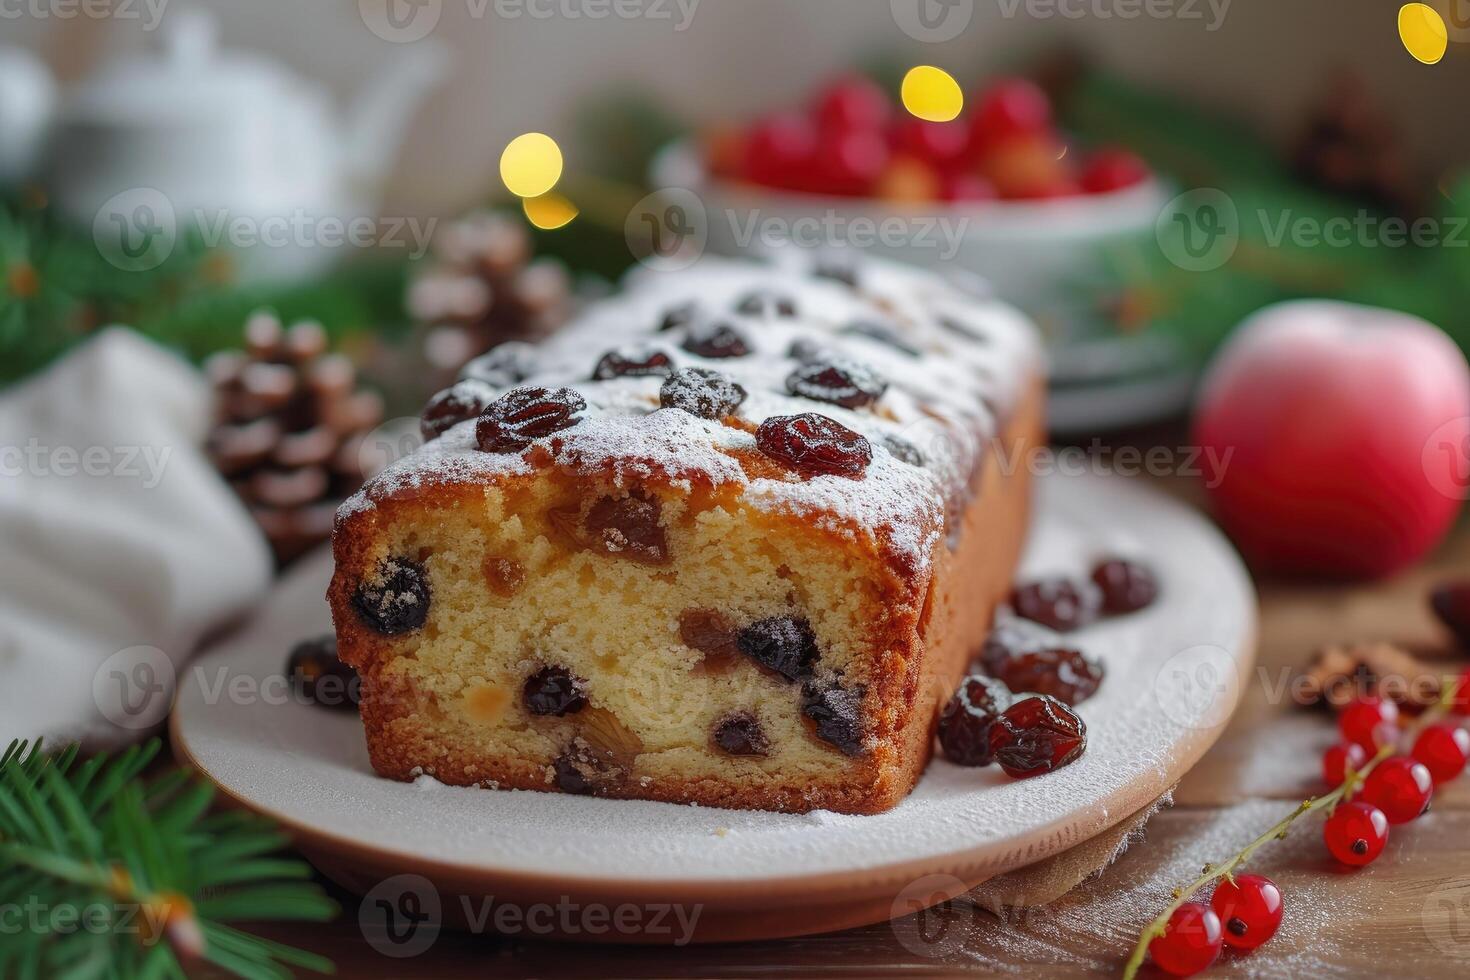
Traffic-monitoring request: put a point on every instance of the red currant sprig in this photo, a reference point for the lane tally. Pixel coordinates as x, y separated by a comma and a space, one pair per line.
1245, 911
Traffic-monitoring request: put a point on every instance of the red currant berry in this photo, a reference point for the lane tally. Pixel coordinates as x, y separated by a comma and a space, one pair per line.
1356, 833
1400, 787
1336, 760
1250, 908
1010, 107
1444, 750
780, 151
1112, 170
1369, 722
941, 145
1191, 941
853, 102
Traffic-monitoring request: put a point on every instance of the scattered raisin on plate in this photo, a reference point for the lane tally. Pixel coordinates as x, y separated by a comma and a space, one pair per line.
320, 677
1037, 735
1064, 674
1126, 586
965, 722
1004, 642
1059, 603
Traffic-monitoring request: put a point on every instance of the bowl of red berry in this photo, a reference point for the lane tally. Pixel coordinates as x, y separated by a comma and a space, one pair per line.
1000, 190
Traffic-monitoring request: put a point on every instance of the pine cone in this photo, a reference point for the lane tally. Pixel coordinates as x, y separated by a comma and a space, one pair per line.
288, 423
484, 289
1350, 145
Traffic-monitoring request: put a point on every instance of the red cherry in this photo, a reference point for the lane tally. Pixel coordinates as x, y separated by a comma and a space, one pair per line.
1444, 750
1191, 941
967, 187
1400, 787
780, 151
849, 163
1250, 909
940, 144
852, 102
1336, 760
1111, 170
1356, 833
1010, 107
1369, 722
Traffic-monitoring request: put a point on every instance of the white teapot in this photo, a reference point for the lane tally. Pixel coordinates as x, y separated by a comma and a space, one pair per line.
27, 102
243, 151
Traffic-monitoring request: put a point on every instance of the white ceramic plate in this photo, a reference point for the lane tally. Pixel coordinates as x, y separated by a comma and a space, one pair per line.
1174, 673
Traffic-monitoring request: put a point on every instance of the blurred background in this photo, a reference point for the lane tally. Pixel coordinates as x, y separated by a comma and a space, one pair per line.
1255, 60
1139, 176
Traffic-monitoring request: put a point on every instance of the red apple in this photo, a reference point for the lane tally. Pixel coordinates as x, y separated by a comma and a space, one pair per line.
1319, 419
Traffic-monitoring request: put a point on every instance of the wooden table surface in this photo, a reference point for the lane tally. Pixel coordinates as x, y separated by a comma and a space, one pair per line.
1408, 913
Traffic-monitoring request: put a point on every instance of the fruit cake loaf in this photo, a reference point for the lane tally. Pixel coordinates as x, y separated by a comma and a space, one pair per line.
728, 539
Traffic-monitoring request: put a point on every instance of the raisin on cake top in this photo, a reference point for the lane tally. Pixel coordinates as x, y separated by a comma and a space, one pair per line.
871, 396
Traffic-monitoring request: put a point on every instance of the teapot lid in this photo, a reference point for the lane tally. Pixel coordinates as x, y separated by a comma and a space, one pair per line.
192, 79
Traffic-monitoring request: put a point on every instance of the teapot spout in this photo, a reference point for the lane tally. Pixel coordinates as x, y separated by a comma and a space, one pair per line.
377, 119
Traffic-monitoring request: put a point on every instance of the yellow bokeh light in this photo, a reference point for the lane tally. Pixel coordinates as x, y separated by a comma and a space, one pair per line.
1423, 32
932, 93
531, 165
549, 211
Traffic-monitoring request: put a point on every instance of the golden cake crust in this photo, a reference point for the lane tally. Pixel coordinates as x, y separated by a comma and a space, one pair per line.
968, 583
898, 571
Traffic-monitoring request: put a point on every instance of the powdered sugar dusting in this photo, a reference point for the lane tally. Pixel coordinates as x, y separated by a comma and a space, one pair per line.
955, 361
1115, 906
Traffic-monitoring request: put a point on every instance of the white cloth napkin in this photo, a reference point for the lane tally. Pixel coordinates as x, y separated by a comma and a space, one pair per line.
120, 545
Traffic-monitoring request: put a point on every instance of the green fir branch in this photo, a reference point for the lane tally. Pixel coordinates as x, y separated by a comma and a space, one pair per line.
105, 873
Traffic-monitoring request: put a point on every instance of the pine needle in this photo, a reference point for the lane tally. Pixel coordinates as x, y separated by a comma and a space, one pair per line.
115, 875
